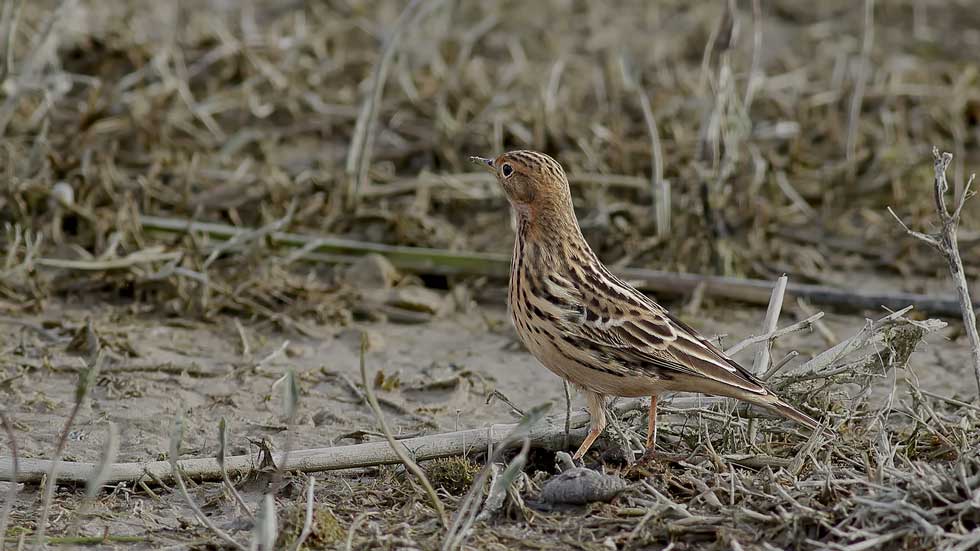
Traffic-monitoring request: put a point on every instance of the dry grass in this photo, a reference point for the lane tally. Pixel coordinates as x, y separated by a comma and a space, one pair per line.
778, 138
229, 114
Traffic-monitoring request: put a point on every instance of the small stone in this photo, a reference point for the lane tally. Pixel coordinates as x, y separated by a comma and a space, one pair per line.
579, 486
416, 299
371, 271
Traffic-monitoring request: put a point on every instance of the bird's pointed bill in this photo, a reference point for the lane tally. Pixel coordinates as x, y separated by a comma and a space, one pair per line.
484, 162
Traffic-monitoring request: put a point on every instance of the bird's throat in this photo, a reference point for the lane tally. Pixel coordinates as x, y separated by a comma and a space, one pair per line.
547, 237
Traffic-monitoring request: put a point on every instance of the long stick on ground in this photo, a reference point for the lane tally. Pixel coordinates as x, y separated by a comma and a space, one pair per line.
945, 242
446, 262
549, 435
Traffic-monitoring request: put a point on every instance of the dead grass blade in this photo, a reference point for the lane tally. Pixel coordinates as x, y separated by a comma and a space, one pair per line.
400, 449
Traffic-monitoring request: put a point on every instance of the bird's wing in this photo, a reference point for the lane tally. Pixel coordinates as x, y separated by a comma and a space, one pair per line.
619, 324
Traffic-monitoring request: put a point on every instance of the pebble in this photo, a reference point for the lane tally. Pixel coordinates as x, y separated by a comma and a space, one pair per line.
416, 299
580, 485
371, 271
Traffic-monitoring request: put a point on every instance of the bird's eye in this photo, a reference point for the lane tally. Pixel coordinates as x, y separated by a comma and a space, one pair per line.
507, 170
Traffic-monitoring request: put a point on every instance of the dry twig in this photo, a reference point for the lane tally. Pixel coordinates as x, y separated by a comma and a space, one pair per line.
446, 262
761, 362
946, 243
775, 334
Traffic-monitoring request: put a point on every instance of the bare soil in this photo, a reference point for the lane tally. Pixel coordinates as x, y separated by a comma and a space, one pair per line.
438, 376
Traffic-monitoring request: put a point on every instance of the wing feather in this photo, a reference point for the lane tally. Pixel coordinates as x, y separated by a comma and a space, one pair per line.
622, 323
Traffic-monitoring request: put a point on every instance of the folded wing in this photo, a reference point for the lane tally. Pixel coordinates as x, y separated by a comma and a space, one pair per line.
602, 313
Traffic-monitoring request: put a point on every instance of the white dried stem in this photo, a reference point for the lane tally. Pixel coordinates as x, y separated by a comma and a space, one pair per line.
359, 156
776, 333
769, 325
660, 188
753, 80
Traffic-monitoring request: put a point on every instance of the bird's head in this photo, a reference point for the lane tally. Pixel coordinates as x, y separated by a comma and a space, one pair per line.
535, 184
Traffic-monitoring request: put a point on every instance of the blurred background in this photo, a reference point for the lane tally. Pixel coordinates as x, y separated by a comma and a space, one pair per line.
763, 137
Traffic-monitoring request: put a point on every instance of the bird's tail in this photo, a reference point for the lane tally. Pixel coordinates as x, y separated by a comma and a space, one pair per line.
791, 412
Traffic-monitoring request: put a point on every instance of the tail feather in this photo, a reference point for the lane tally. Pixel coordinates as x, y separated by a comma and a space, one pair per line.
791, 412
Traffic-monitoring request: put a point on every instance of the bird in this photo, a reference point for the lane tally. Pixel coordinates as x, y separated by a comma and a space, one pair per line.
590, 327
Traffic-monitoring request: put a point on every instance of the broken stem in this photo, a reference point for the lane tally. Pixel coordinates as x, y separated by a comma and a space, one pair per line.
946, 243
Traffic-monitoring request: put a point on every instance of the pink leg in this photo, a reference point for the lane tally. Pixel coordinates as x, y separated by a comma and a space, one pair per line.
652, 424
597, 423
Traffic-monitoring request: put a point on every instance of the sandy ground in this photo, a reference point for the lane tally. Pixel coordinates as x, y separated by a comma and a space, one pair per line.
438, 376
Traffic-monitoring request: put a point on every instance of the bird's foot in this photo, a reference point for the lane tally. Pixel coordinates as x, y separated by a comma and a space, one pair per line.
652, 454
649, 454
652, 463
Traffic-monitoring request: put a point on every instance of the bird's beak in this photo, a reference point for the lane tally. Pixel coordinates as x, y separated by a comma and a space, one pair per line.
485, 163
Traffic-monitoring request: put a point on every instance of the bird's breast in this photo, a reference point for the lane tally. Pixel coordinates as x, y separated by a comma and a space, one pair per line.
539, 329
541, 320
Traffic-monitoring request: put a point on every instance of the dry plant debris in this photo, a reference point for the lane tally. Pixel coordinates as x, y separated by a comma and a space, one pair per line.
734, 141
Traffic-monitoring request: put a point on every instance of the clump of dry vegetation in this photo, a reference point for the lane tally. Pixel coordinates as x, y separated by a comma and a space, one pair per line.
221, 159
453, 474
325, 529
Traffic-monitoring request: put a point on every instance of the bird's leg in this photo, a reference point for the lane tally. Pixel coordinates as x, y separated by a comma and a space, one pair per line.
652, 424
597, 422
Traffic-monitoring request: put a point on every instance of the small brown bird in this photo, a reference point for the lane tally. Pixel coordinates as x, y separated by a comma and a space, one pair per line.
592, 328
